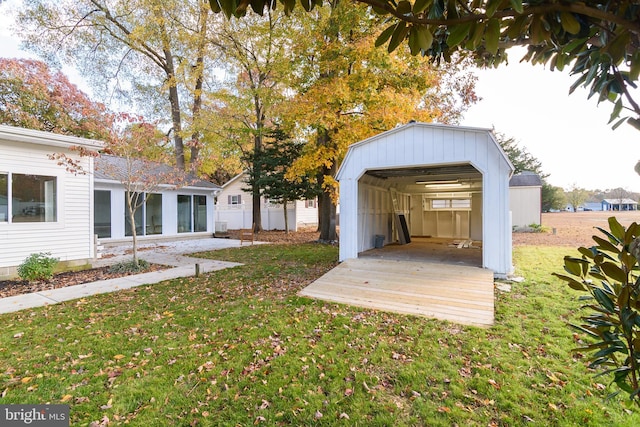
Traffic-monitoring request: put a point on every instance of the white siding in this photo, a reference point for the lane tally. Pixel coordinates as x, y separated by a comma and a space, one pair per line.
525, 205
169, 211
70, 237
420, 144
241, 216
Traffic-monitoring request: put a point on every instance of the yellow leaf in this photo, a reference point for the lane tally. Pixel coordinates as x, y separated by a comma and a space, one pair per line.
118, 356
26, 380
66, 398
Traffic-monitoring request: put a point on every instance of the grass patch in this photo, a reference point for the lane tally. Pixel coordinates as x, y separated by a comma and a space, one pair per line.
238, 347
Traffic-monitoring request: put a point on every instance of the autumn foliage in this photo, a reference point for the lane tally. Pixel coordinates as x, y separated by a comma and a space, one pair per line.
33, 96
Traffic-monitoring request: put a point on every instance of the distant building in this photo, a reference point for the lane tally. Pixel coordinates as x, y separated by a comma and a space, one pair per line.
525, 199
592, 206
619, 205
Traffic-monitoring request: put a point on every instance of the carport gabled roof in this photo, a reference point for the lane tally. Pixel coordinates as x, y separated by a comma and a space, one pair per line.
410, 125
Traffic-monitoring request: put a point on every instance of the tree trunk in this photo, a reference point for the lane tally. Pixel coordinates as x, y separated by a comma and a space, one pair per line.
286, 216
326, 210
132, 220
174, 97
257, 148
197, 93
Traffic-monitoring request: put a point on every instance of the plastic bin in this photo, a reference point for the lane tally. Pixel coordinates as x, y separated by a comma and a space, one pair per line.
379, 241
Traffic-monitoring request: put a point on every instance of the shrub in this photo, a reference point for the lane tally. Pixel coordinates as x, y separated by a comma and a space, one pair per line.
129, 267
37, 267
609, 275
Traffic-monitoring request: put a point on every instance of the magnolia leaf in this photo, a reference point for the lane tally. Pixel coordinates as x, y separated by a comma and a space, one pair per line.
616, 110
605, 245
404, 7
614, 272
380, 11
215, 7
421, 5
492, 36
616, 228
398, 36
569, 23
604, 300
517, 5
588, 252
437, 10
574, 265
384, 36
424, 37
618, 47
516, 28
492, 6
573, 283
458, 33
413, 41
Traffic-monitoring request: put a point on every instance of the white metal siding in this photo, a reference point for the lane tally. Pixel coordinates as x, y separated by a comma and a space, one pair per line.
525, 205
438, 145
70, 238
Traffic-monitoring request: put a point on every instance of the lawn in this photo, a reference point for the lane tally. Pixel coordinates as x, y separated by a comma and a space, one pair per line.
238, 347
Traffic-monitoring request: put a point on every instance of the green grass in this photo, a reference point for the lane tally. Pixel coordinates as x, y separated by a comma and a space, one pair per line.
238, 347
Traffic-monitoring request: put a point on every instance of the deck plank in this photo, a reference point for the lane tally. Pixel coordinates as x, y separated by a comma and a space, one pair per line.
460, 294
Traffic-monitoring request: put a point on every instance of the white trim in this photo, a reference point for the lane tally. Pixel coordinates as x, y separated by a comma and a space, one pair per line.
37, 137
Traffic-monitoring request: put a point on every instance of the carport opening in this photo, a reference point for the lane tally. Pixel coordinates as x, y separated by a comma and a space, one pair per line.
428, 213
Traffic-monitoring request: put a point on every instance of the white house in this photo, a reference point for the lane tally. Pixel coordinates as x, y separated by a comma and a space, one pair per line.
234, 209
427, 180
525, 199
168, 211
44, 208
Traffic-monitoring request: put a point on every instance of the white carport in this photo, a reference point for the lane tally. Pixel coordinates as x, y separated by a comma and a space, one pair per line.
441, 181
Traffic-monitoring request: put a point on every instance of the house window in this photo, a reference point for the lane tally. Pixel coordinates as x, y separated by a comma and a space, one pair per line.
148, 216
137, 215
312, 203
184, 214
102, 213
451, 204
440, 204
4, 197
33, 198
192, 213
234, 200
153, 214
461, 203
199, 213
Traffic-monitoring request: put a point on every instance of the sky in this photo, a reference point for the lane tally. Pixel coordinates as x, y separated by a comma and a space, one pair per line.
569, 134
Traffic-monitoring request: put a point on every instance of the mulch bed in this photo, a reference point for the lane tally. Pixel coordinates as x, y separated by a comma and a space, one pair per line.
10, 288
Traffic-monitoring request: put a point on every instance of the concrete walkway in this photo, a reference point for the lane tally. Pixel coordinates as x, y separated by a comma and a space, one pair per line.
165, 253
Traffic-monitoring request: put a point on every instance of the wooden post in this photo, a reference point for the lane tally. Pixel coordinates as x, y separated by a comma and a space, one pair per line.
197, 270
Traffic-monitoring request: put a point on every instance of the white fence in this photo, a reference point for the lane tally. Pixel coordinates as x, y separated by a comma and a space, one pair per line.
241, 216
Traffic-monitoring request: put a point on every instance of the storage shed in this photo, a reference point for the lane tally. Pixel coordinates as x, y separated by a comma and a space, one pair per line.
525, 194
429, 180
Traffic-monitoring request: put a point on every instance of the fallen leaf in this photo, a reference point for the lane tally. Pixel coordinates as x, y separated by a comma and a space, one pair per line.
66, 398
348, 392
26, 380
344, 416
494, 384
119, 356
444, 409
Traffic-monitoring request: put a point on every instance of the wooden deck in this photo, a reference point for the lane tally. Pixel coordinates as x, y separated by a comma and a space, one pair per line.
460, 294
